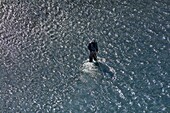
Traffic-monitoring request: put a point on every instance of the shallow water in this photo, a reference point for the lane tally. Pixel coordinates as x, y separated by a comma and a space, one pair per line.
43, 47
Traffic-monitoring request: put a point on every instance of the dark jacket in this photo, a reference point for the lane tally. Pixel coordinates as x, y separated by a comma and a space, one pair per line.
93, 46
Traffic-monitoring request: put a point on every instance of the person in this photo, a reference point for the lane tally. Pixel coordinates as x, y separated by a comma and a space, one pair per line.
93, 48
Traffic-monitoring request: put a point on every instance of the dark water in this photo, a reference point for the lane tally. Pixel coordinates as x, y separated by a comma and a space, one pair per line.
43, 45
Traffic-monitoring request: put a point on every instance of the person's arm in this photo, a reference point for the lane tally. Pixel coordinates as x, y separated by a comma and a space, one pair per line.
89, 47
96, 47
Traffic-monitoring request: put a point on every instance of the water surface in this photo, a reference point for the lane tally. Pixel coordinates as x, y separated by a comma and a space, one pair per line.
43, 45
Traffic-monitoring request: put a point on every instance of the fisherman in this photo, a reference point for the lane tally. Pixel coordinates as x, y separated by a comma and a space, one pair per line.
93, 48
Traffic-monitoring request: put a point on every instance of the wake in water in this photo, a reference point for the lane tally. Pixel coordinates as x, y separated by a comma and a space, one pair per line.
98, 68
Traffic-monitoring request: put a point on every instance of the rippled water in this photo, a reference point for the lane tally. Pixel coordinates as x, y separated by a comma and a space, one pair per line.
43, 49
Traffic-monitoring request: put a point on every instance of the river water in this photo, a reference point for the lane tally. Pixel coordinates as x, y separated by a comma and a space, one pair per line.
43, 56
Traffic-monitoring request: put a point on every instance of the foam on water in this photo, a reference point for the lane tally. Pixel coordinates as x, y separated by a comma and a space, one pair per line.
43, 46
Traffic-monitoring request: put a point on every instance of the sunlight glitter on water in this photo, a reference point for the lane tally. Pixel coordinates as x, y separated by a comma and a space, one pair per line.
43, 45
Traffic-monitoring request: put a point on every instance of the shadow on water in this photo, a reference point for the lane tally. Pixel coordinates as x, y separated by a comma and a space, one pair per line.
105, 69
98, 68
